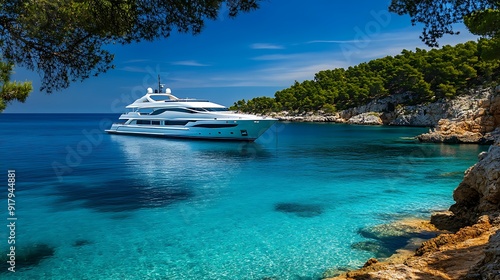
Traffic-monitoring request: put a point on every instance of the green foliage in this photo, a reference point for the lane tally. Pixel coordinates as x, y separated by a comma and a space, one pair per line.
428, 75
439, 16
329, 108
65, 40
11, 91
259, 104
486, 23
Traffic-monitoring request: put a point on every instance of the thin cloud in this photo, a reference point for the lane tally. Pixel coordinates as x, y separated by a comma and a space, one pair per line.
281, 70
401, 36
273, 57
333, 41
265, 46
189, 63
382, 37
133, 69
137, 60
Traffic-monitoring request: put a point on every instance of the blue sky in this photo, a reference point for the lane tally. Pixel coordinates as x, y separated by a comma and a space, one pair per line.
255, 54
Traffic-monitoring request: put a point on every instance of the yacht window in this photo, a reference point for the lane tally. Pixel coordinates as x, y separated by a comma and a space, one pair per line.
181, 110
216, 109
198, 109
143, 122
157, 112
155, 122
176, 122
159, 97
145, 111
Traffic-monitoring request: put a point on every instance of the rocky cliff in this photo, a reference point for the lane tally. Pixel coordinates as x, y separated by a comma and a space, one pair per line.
479, 192
475, 124
468, 118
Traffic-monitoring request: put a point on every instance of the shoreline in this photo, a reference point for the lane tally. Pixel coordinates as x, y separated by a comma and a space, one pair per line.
472, 118
457, 256
468, 246
417, 231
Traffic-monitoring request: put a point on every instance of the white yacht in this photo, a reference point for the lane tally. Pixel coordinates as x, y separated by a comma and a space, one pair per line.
162, 114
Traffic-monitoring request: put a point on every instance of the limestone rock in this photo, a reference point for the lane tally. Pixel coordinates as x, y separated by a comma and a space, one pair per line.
420, 115
479, 192
463, 255
489, 267
308, 117
370, 262
469, 118
468, 121
386, 104
463, 234
370, 118
446, 220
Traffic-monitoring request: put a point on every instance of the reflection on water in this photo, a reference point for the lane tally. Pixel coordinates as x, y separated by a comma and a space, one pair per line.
152, 152
158, 172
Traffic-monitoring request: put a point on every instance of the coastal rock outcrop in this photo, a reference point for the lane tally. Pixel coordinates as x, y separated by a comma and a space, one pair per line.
471, 253
308, 117
479, 192
454, 132
470, 121
370, 118
385, 105
480, 106
469, 118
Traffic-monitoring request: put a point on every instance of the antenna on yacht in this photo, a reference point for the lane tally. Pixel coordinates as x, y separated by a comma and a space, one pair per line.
160, 85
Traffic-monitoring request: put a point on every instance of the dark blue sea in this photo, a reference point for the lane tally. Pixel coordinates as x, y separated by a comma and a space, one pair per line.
291, 205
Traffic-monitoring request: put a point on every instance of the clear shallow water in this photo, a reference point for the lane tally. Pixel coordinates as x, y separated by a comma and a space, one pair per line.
289, 206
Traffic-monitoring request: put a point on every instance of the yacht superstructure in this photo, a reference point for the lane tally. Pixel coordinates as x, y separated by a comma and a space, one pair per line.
160, 113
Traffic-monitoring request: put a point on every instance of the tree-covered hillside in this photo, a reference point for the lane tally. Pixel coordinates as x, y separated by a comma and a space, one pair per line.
430, 75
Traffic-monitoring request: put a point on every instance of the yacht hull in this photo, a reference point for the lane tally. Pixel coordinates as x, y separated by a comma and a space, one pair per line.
237, 130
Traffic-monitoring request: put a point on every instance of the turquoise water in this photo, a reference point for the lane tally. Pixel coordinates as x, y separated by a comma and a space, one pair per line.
289, 206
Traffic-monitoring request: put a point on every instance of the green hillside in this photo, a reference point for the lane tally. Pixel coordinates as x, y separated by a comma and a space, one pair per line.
430, 75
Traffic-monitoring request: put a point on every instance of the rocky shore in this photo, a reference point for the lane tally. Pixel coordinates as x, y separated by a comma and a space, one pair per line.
469, 118
468, 248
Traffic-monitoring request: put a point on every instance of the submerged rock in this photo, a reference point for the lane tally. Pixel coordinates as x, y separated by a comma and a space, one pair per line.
118, 196
386, 239
300, 209
81, 242
28, 256
334, 272
379, 249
